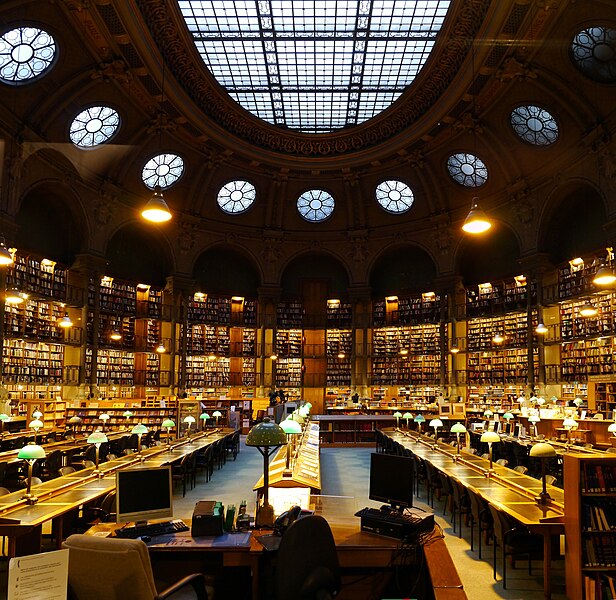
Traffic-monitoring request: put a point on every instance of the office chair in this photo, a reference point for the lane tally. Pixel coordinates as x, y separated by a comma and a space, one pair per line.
307, 563
117, 569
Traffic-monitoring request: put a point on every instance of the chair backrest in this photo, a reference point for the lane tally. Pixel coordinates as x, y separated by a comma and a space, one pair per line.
503, 462
307, 562
550, 479
125, 564
598, 416
66, 470
521, 469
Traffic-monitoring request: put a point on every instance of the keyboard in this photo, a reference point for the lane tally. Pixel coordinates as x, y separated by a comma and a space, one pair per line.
388, 517
152, 529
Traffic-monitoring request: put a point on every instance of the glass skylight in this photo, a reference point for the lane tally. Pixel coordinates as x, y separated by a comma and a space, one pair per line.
534, 125
236, 196
314, 66
593, 52
25, 53
315, 205
94, 126
163, 170
394, 196
467, 169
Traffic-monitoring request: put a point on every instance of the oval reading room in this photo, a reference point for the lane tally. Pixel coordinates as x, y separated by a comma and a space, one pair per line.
303, 300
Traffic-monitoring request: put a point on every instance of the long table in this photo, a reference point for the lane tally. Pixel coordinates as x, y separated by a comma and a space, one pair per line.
505, 489
22, 523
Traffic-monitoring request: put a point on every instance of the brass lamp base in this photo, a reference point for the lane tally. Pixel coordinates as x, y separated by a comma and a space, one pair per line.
30, 499
265, 516
543, 498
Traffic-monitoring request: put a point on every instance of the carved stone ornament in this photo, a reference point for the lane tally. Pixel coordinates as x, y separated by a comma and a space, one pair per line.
608, 169
443, 239
358, 251
414, 159
468, 123
103, 210
524, 210
169, 34
187, 237
272, 250
513, 69
115, 70
161, 122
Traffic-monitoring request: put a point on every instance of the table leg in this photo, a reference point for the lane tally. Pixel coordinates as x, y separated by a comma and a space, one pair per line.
547, 565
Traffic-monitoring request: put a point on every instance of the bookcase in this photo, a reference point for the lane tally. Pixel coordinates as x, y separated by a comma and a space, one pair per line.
54, 411
590, 524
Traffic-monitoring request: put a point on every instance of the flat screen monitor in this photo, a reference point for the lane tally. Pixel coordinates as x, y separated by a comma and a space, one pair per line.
391, 479
143, 494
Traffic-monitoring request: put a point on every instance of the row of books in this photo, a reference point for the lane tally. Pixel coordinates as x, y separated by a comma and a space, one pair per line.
599, 586
599, 515
598, 478
599, 550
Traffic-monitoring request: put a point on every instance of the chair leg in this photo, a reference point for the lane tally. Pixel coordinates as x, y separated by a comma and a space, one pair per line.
494, 561
472, 523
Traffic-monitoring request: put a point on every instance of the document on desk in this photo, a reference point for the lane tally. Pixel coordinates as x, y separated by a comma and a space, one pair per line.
226, 540
39, 577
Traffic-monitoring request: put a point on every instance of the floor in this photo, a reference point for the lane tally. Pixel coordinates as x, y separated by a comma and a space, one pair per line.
344, 472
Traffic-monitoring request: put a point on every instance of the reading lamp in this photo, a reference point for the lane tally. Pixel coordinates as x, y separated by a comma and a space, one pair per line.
304, 411
436, 423
419, 419
490, 437
37, 414
398, 416
127, 414
204, 417
139, 429
168, 424
569, 424
487, 413
31, 453
266, 437
74, 421
533, 420
104, 418
189, 420
611, 428
291, 428
458, 428
3, 418
508, 416
35, 425
543, 451
97, 438
217, 414
407, 416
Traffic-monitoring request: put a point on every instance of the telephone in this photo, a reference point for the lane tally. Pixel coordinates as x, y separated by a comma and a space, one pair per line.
286, 518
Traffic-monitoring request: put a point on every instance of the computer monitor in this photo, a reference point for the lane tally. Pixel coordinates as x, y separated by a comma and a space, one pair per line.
143, 494
391, 479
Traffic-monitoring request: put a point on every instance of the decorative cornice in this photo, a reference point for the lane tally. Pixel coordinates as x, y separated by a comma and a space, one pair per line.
214, 102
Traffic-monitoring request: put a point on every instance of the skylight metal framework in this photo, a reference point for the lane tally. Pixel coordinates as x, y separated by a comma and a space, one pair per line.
315, 66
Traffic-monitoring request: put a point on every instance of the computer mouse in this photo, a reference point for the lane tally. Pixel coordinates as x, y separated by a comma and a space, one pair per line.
145, 538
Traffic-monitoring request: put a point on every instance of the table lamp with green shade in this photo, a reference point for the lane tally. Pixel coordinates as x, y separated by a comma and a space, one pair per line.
533, 420
168, 424
74, 421
204, 418
139, 430
3, 417
37, 414
490, 437
127, 414
309, 405
31, 453
487, 413
569, 424
458, 428
266, 436
104, 418
97, 438
217, 414
291, 428
397, 416
407, 416
543, 451
35, 425
419, 419
435, 423
189, 420
304, 411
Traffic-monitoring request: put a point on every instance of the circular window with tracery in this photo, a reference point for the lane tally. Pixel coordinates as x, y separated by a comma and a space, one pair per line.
394, 196
315, 205
534, 125
236, 196
163, 170
593, 52
25, 53
467, 169
94, 126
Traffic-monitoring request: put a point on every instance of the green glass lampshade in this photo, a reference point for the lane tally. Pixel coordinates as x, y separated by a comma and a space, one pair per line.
436, 423
97, 437
127, 414
217, 414
309, 405
104, 417
75, 421
407, 416
31, 452
419, 419
612, 428
490, 436
398, 414
578, 402
189, 419
291, 427
304, 411
4, 417
139, 429
266, 433
168, 423
507, 416
35, 424
534, 419
458, 428
204, 417
542, 450
37, 414
488, 413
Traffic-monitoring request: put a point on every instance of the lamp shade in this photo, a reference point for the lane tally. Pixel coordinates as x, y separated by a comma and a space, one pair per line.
156, 210
540, 401
204, 416
407, 415
266, 433
542, 450
507, 416
419, 419
4, 417
488, 413
604, 276
37, 414
612, 428
75, 420
578, 402
291, 427
534, 419
308, 404
398, 414
217, 414
189, 419
458, 428
104, 417
541, 328
97, 437
304, 411
436, 423
139, 429
476, 221
31, 452
65, 321
6, 258
35, 424
569, 423
490, 436
127, 414
168, 423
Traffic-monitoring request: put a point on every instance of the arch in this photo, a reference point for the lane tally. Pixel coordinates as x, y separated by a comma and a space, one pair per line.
225, 269
488, 257
51, 207
315, 266
135, 253
572, 222
402, 269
